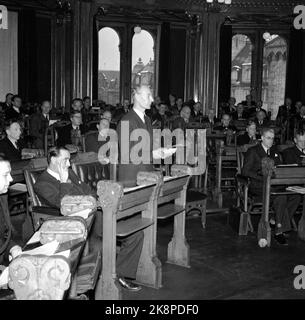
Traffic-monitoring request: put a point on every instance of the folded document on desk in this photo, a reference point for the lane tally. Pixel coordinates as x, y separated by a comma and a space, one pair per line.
296, 189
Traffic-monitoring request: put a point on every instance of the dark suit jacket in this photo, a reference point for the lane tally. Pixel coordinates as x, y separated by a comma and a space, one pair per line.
119, 113
244, 139
179, 123
252, 167
50, 191
6, 242
283, 112
9, 151
127, 173
11, 113
264, 124
222, 128
64, 135
92, 142
292, 155
38, 126
252, 112
234, 115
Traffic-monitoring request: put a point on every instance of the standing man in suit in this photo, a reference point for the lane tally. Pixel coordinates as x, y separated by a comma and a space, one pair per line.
135, 119
14, 111
11, 146
284, 205
296, 154
7, 245
59, 180
72, 133
39, 122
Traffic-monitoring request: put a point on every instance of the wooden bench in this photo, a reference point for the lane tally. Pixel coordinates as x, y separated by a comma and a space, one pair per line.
124, 213
175, 188
276, 176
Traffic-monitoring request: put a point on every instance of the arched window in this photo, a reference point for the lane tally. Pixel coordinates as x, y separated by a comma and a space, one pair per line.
143, 60
241, 59
274, 82
109, 66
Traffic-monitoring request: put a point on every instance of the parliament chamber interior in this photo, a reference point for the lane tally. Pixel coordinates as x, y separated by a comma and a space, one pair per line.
152, 149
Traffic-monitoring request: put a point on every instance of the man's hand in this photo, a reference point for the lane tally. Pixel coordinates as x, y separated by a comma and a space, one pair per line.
15, 252
63, 173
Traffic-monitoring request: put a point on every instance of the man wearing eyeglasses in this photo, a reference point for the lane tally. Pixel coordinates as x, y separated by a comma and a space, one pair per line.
284, 205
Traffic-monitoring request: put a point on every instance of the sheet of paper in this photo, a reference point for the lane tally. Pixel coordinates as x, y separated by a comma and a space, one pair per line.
83, 213
35, 237
19, 187
47, 249
52, 122
4, 277
65, 253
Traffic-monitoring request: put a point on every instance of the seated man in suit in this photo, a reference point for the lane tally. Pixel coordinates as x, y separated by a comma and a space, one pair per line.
14, 112
197, 112
7, 103
261, 120
11, 146
226, 124
56, 182
72, 133
240, 113
296, 154
39, 122
259, 107
284, 205
7, 245
120, 112
182, 121
250, 136
160, 119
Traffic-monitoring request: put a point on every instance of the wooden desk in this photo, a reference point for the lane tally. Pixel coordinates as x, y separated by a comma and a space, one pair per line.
60, 289
174, 188
288, 175
124, 213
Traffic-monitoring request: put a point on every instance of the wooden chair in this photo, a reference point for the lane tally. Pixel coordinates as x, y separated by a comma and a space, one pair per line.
39, 212
49, 139
39, 277
120, 219
226, 166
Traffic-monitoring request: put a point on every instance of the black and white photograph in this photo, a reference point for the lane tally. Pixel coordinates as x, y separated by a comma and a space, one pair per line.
152, 152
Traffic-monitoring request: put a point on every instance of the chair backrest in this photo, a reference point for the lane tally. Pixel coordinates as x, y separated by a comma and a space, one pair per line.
49, 139
31, 176
88, 168
240, 155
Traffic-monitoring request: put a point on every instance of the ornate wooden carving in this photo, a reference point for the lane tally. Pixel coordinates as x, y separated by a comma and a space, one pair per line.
72, 204
62, 230
39, 277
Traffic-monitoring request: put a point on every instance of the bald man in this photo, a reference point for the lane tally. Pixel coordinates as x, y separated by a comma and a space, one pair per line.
135, 119
182, 121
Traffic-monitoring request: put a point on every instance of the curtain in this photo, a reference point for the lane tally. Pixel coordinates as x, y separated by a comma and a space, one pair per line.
225, 61
164, 61
295, 65
95, 54
9, 57
27, 46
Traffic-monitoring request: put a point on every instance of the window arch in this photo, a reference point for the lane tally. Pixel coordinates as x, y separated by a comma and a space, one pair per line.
109, 66
274, 82
143, 60
242, 63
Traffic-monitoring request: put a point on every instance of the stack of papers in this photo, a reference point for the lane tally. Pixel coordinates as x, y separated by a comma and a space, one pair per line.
83, 213
296, 189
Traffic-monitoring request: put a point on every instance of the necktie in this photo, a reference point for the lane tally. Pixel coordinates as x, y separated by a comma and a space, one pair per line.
268, 152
